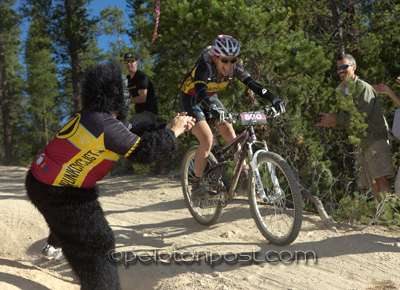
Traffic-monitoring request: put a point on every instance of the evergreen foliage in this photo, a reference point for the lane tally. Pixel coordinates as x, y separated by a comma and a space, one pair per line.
370, 212
43, 108
11, 71
288, 46
73, 31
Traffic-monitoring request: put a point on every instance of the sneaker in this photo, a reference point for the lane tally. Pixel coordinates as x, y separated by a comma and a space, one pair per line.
51, 253
199, 190
244, 178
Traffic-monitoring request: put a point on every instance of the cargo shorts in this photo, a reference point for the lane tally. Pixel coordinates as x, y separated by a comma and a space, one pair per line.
378, 162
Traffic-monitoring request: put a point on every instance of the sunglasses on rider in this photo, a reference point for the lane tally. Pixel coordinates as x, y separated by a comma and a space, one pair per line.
345, 66
129, 61
225, 60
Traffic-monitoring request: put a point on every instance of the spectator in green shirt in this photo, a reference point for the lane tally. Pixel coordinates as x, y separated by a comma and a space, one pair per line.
376, 152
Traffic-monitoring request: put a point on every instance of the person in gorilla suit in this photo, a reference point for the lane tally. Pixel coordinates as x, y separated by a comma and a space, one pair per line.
61, 182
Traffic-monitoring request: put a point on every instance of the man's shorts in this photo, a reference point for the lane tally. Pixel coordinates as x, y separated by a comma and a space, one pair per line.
378, 162
190, 104
145, 116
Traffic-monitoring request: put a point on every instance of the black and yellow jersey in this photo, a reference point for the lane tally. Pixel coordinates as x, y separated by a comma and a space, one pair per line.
201, 74
202, 81
84, 150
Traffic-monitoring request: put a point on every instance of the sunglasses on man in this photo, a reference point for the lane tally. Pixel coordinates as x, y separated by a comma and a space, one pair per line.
345, 66
225, 60
129, 61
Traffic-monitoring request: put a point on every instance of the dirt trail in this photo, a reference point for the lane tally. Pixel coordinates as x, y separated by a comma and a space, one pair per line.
148, 214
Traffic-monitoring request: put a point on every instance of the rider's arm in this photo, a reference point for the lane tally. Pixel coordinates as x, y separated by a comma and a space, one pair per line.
259, 89
202, 96
200, 84
245, 77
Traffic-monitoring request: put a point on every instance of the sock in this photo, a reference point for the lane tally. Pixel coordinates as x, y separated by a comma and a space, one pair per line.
245, 171
197, 179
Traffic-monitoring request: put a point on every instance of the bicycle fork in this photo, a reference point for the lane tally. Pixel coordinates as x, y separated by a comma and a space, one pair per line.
256, 172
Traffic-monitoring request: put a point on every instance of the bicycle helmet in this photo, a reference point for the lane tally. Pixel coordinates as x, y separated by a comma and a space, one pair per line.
225, 45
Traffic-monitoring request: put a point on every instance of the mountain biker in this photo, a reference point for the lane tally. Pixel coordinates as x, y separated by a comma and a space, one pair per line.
215, 67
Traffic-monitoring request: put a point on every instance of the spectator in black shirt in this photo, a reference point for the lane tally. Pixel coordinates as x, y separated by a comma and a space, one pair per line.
141, 92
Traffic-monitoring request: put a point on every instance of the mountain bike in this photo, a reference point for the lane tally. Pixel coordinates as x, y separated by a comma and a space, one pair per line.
273, 192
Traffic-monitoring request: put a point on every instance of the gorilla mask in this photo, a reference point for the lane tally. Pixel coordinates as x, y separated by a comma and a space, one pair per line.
105, 89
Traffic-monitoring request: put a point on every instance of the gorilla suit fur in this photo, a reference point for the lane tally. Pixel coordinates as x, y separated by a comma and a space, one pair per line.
62, 180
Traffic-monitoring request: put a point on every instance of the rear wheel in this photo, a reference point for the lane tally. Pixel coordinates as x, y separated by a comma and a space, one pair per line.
279, 215
205, 212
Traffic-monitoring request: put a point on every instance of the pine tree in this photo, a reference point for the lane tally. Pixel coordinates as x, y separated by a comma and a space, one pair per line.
42, 84
11, 82
112, 24
73, 31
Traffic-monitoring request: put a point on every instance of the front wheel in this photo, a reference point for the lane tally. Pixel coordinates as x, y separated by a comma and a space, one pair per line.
206, 212
279, 215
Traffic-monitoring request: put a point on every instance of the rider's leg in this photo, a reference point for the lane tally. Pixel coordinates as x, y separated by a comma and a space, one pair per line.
228, 134
203, 133
226, 130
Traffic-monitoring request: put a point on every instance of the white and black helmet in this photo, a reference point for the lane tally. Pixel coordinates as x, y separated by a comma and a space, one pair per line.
225, 45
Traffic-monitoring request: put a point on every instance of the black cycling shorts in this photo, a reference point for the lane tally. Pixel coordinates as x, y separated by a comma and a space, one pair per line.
187, 104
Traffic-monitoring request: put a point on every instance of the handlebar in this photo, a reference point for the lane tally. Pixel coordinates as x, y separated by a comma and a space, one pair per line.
232, 118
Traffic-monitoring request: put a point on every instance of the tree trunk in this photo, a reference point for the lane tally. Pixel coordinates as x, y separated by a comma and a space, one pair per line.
321, 210
76, 82
119, 44
351, 162
4, 101
337, 26
352, 20
73, 51
46, 129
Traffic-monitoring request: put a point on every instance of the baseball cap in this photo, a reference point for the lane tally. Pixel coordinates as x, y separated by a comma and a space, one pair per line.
129, 55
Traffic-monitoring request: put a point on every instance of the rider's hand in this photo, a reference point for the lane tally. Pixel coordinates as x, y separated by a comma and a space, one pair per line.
216, 112
279, 105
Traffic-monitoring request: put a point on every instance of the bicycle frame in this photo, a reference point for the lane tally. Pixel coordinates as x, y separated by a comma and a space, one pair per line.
273, 192
246, 140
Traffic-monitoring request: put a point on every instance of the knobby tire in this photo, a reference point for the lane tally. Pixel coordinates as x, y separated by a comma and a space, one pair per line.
205, 212
278, 217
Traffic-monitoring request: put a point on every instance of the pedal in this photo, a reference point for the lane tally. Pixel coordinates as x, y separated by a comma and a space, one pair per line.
214, 196
210, 202
204, 204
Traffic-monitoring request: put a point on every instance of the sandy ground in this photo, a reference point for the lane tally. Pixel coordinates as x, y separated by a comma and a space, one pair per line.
153, 217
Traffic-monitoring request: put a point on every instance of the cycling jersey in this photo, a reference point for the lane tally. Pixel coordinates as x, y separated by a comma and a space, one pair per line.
202, 82
202, 71
84, 150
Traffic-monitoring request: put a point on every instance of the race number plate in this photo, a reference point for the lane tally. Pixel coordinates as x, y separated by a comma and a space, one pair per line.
256, 117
